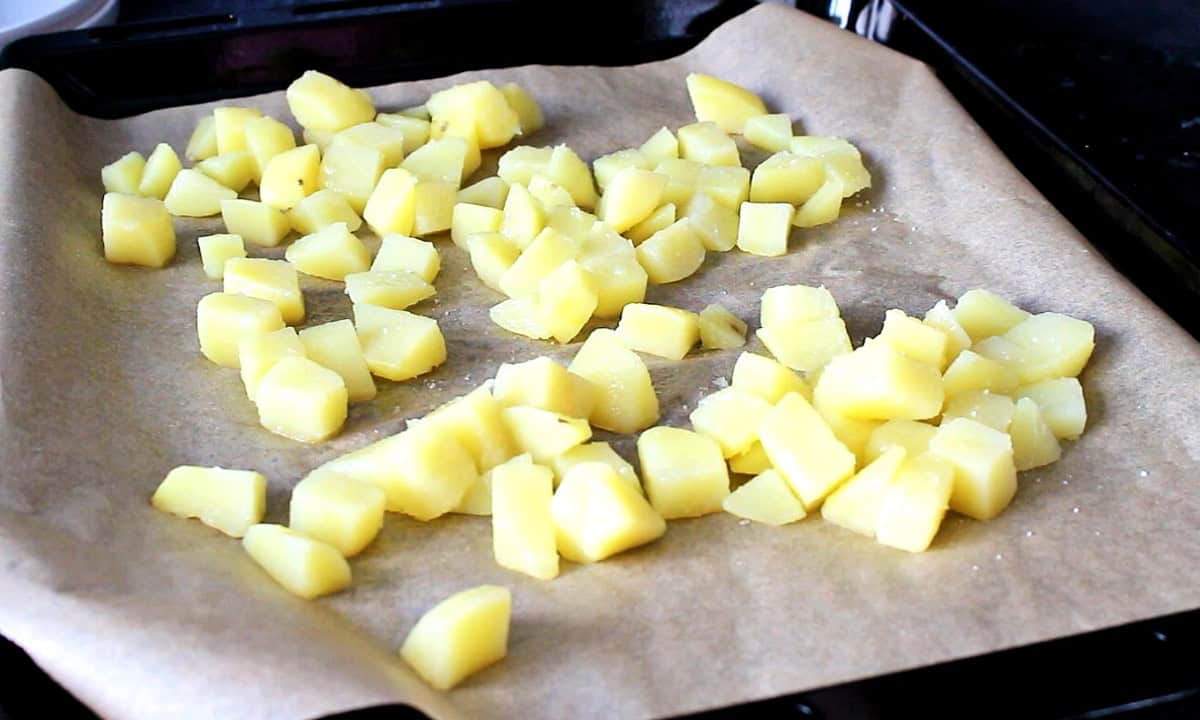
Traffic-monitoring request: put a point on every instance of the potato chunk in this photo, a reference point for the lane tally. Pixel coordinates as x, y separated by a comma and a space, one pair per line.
442, 160
595, 452
772, 133
124, 175
566, 299
787, 178
804, 450
763, 228
1034, 443
671, 254
856, 504
160, 170
911, 435
415, 130
255, 222
228, 500
706, 143
991, 409
619, 279
823, 207
662, 145
877, 382
630, 197
397, 344
808, 346
714, 222
732, 418
523, 217
1062, 405
387, 139
767, 378
543, 383
354, 171
983, 314
223, 319
549, 250
482, 107
332, 253
972, 371
467, 220
320, 102
722, 102
914, 338
520, 317
662, 217
338, 510
985, 478
544, 435
606, 167
303, 566
395, 289
322, 209
721, 329
852, 432
216, 249
234, 170
476, 422
489, 192
597, 514
203, 141
266, 137
940, 316
525, 106
765, 498
843, 162
136, 231
492, 254
681, 179
335, 346
571, 173
518, 165
460, 636
751, 462
258, 353
625, 399
659, 330
272, 280
433, 207
291, 176
683, 472
194, 194
230, 126
301, 400
522, 525
1055, 346
400, 252
913, 505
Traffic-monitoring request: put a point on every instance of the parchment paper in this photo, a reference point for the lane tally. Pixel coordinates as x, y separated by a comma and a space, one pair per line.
143, 615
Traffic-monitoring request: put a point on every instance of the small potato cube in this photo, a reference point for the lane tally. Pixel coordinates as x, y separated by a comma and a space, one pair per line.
482, 107
291, 176
525, 106
985, 478
751, 462
489, 192
520, 164
194, 194
911, 435
543, 434
459, 128
671, 254
772, 133
234, 170
682, 176
620, 280
731, 417
804, 450
223, 319
765, 498
319, 102
433, 207
392, 205
767, 378
852, 432
519, 316
566, 299
441, 160
995, 411
321, 138
721, 329
722, 102
662, 145
203, 142
763, 228
877, 382
706, 143
659, 330
597, 514
630, 197
807, 346
983, 314
266, 137
787, 178
303, 566
161, 168
467, 219
478, 498
790, 305
914, 504
1062, 405
400, 252
476, 422
683, 472
856, 504
258, 353
914, 338
940, 316
414, 129
573, 175
544, 255
395, 289
387, 139
606, 167
1000, 349
353, 170
659, 219
596, 452
216, 249
301, 400
399, 345
492, 254
272, 280
523, 217
460, 636
230, 126
228, 500
729, 186
823, 207
522, 525
1034, 443
625, 399
843, 162
715, 223
136, 231
543, 383
335, 345
255, 222
1055, 346
972, 371
322, 209
338, 510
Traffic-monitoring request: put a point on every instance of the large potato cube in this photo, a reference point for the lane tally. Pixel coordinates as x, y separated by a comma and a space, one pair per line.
395, 289
442, 160
772, 133
807, 346
194, 194
714, 222
322, 209
763, 228
400, 252
804, 450
877, 382
765, 498
914, 504
721, 329
731, 417
912, 435
523, 104
683, 472
625, 399
234, 170
543, 383
1055, 346
706, 143
790, 305
433, 205
543, 434
476, 422
914, 338
630, 197
460, 636
991, 409
492, 254
291, 176
303, 566
544, 255
202, 144
856, 504
520, 164
331, 253
823, 207
1034, 443
392, 205
483, 107
272, 280
972, 371
230, 126
985, 478
768, 379
722, 102
567, 170
216, 249
488, 192
597, 514
161, 168
223, 319
787, 178
983, 313
266, 137
338, 510
596, 452
522, 525
671, 254
255, 222
301, 400
136, 231
730, 186
659, 330
415, 130
258, 353
397, 344
662, 217
619, 279
606, 167
335, 345
1062, 405
353, 170
662, 145
387, 139
523, 216
940, 316
228, 500
566, 299
319, 102
682, 176
467, 219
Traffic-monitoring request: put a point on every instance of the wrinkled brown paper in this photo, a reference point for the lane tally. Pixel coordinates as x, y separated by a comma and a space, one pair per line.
144, 615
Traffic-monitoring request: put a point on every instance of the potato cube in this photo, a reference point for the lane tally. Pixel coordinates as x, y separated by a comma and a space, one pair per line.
544, 255
671, 254
230, 126
606, 167
488, 192
707, 144
468, 219
272, 280
569, 171
715, 223
630, 197
492, 254
1062, 405
403, 253
522, 525
194, 194
321, 138
843, 162
662, 145
625, 399
823, 207
722, 102
433, 207
124, 175
729, 186
529, 115
940, 316
482, 107
597, 514
682, 176
790, 305
595, 452
395, 289
234, 170
983, 314
387, 139
1034, 443
303, 566
520, 164
807, 346
255, 222
136, 231
476, 422
227, 500
768, 379
478, 498
335, 345
804, 450
914, 504
392, 205
972, 371
216, 249
721, 329
441, 160
877, 382
543, 383
161, 168
659, 330
523, 217
1055, 346
995, 411
1000, 349
399, 345
751, 462
549, 195
566, 299
319, 102
223, 319
203, 141
415, 130
985, 478
266, 137
856, 504
301, 400
460, 636
543, 434
291, 176
772, 133
354, 171
456, 128
914, 338
519, 316
683, 472
662, 217
852, 432
619, 279
338, 510
763, 228
322, 209
258, 353
912, 435
765, 498
731, 417
787, 178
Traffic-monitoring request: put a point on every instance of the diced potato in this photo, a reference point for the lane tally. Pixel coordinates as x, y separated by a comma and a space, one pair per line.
319, 102
543, 434
856, 504
291, 176
223, 319
911, 435
877, 382
441, 160
763, 228
569, 171
255, 222
434, 207
476, 422
392, 205
706, 143
544, 255
416, 111
458, 128
468, 219
914, 338
543, 383
767, 378
266, 137
1062, 405
721, 329
807, 346
823, 207
522, 525
722, 102
731, 417
338, 510
995, 411
597, 514
258, 353
630, 197
387, 139
399, 345
234, 170
765, 498
478, 498
335, 345
790, 305
483, 107
671, 254
216, 249
566, 299
203, 142
715, 223
914, 504
620, 280
228, 500
395, 289
852, 432
772, 133
322, 209
972, 371
751, 462
525, 106
415, 129
520, 164
303, 566
659, 219
549, 195
194, 194
983, 314
940, 316
728, 185
354, 171
272, 280
662, 145
843, 162
301, 400
136, 231
460, 636
681, 179
159, 171
492, 254
1002, 350
596, 452
606, 167
523, 217
230, 126
985, 478
683, 472
489, 192
804, 450
400, 252
321, 138
1034, 443
659, 330
787, 178
519, 316
1055, 346
625, 399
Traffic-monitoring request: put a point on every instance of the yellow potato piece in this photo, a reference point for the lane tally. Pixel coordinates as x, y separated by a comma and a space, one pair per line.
395, 289
763, 228
291, 176
548, 194
972, 371
400, 252
529, 114
136, 231
476, 422
353, 170
706, 143
301, 400
767, 378
804, 450
721, 329
397, 344
913, 505
522, 525
544, 255
790, 305
1034, 443
160, 170
662, 217
1000, 349
662, 145
566, 299
489, 192
573, 175
630, 197
875, 382
194, 194
303, 566
266, 137
751, 462
625, 399
482, 107
544, 435
659, 330
335, 345
234, 170
258, 353
124, 175
681, 179
387, 139
216, 249
914, 338
460, 636
852, 432
843, 162
985, 478
983, 314
442, 160
787, 178
321, 138
320, 102
433, 207
459, 128
492, 254
519, 316
732, 418
230, 126
478, 498
912, 435
620, 280
940, 316
683, 472
995, 411
714, 222
337, 510
765, 498
203, 142
722, 102
1062, 405
223, 319
255, 222
1055, 346
671, 254
597, 514
468, 219
606, 167
823, 207
415, 130
272, 280
807, 346
228, 500
520, 164
595, 452
856, 504
543, 383
772, 133
523, 217
392, 205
